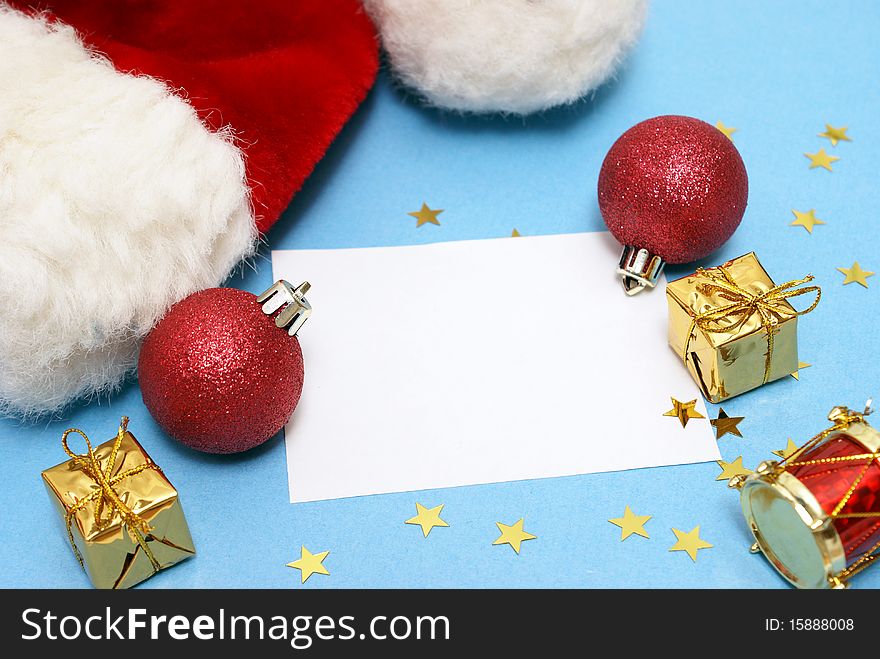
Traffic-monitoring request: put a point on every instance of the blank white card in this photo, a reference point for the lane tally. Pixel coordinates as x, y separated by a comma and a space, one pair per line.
480, 361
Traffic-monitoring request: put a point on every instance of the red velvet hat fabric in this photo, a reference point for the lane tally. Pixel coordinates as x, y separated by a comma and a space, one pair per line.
285, 75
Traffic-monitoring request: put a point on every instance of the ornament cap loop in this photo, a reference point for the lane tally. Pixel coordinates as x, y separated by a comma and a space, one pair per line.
296, 309
639, 269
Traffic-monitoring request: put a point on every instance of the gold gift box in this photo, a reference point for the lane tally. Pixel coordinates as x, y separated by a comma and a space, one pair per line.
730, 355
114, 554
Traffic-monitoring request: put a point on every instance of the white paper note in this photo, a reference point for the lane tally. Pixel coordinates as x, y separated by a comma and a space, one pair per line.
480, 361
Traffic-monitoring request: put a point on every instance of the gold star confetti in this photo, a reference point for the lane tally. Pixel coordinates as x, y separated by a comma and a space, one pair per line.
835, 135
515, 233
309, 563
821, 159
788, 451
513, 535
731, 469
684, 411
856, 274
427, 518
426, 216
726, 424
727, 130
691, 542
806, 220
631, 523
797, 374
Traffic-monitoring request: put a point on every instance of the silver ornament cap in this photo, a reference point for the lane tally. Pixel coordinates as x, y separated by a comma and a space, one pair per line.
639, 269
296, 308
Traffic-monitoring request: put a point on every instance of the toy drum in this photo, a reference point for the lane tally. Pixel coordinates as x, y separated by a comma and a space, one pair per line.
816, 514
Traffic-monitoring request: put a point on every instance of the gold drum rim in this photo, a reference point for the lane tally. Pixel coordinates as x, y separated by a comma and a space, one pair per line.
792, 530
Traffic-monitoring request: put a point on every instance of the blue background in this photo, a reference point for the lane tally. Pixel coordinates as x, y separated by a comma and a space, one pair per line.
777, 71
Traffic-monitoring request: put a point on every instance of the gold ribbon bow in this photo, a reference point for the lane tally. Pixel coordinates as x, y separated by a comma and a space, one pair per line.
744, 304
105, 498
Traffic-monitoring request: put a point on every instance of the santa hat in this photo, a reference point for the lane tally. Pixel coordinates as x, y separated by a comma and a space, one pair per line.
145, 145
143, 149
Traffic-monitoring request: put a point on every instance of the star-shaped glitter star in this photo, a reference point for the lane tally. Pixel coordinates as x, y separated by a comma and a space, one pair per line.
856, 274
789, 450
727, 130
835, 135
806, 220
797, 374
513, 535
427, 518
821, 159
691, 542
731, 469
426, 215
309, 563
684, 411
726, 424
631, 523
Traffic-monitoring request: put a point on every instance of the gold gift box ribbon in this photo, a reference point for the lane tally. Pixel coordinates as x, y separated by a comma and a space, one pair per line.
105, 498
744, 304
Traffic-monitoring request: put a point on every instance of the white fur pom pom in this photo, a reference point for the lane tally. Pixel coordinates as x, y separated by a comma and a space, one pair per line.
515, 56
115, 202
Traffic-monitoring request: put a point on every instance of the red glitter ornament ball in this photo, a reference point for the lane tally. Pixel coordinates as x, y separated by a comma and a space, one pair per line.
217, 374
675, 186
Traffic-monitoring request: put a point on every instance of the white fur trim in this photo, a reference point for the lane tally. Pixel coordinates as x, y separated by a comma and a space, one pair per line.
514, 56
115, 202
